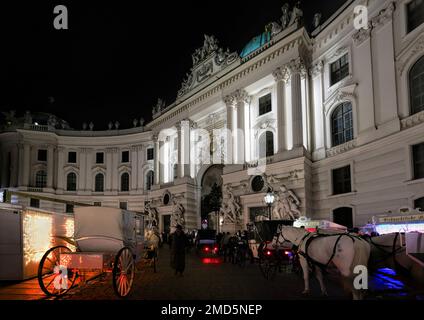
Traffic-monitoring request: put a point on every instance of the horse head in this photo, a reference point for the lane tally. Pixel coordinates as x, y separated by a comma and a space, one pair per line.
292, 234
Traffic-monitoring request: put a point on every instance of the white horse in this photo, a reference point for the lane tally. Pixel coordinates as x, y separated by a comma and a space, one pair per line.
388, 251
345, 251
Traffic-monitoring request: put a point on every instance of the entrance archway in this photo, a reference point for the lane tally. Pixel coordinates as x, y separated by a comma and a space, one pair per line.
343, 216
211, 190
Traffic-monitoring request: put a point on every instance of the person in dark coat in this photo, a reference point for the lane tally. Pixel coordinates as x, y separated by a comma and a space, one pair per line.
179, 242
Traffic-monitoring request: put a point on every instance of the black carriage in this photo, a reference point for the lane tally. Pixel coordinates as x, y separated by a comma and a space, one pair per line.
271, 256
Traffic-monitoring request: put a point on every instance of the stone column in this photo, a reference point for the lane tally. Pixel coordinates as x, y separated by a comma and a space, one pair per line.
115, 174
161, 161
297, 69
26, 165
109, 169
82, 169
156, 161
14, 163
281, 76
50, 166
318, 112
134, 167
140, 162
4, 169
60, 164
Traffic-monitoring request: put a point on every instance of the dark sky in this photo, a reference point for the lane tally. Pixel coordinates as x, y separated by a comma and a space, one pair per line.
117, 57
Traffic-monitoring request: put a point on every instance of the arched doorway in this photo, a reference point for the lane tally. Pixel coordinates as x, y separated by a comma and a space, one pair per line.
211, 190
343, 216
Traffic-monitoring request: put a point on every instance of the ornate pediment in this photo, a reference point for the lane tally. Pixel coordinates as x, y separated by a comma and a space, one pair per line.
207, 61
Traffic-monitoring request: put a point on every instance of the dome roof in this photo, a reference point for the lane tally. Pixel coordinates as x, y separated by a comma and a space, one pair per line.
256, 43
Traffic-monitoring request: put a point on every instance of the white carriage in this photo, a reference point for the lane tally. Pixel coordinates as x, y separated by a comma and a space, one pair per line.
105, 240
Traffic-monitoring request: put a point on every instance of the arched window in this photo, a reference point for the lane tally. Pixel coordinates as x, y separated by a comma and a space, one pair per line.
99, 183
343, 216
41, 179
419, 203
416, 85
149, 179
266, 145
342, 124
125, 182
71, 182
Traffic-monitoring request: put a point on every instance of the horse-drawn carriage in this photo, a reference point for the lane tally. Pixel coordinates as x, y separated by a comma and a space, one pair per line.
271, 258
105, 240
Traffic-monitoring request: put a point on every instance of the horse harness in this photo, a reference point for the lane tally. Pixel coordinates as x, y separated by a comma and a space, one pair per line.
309, 237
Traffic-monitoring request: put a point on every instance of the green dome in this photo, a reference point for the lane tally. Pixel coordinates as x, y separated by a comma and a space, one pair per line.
256, 43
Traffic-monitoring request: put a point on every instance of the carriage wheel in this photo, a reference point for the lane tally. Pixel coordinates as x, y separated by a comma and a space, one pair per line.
48, 272
268, 268
123, 272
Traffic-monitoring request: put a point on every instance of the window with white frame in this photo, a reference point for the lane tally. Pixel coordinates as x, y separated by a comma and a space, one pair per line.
265, 104
150, 153
416, 86
125, 182
41, 179
342, 124
415, 13
418, 160
99, 182
339, 69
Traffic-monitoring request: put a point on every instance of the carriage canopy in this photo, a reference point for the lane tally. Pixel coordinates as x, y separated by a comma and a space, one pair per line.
266, 229
101, 229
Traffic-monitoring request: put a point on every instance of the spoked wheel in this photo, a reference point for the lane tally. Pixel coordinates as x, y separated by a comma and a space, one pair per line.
123, 272
54, 279
268, 268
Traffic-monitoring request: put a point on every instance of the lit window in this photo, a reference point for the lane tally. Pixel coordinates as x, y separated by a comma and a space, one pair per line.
265, 104
418, 159
339, 69
342, 124
415, 10
341, 180
41, 179
416, 85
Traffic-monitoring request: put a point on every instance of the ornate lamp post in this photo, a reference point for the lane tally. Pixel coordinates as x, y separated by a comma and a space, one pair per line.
269, 200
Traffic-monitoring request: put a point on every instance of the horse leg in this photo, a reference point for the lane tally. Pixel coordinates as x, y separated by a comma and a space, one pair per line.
305, 268
318, 274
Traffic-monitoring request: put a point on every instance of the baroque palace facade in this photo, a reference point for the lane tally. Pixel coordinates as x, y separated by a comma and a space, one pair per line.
331, 120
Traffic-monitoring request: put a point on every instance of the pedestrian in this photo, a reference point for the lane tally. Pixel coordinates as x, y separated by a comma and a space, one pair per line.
179, 242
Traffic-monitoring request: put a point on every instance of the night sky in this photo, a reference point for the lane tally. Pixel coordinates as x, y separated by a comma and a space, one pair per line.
117, 58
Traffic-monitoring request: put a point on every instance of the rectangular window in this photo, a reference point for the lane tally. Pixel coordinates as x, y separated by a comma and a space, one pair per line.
265, 104
150, 154
418, 159
339, 69
35, 203
69, 208
97, 204
341, 180
415, 11
72, 157
125, 156
99, 157
42, 155
123, 205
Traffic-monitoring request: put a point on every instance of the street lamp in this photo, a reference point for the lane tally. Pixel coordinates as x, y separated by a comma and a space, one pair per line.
269, 200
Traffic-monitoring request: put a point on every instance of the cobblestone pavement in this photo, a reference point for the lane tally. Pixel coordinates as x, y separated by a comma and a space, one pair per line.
203, 281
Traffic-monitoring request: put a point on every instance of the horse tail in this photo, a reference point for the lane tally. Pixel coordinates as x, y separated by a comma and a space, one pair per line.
362, 251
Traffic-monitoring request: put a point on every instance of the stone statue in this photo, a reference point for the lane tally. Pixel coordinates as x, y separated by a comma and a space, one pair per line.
141, 122
268, 181
287, 206
274, 28
231, 209
117, 125
110, 125
84, 126
285, 18
52, 121
152, 215
91, 126
317, 20
135, 122
297, 14
28, 117
177, 213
